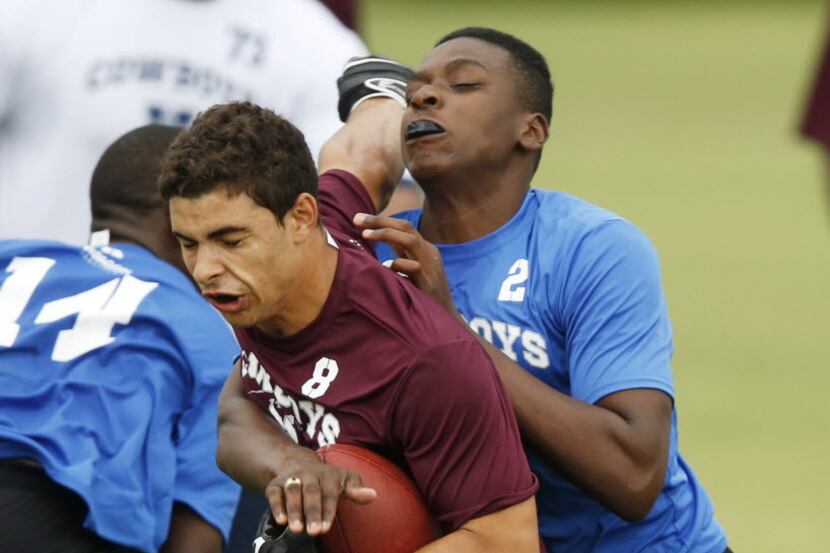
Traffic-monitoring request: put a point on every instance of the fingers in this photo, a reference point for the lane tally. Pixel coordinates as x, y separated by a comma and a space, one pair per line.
309, 502
367, 221
355, 491
330, 495
404, 243
293, 497
409, 267
312, 508
275, 499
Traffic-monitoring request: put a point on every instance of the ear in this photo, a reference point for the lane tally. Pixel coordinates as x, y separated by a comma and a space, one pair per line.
534, 132
303, 216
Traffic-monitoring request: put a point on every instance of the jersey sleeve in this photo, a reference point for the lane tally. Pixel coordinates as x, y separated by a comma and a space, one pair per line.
618, 334
199, 482
459, 438
342, 196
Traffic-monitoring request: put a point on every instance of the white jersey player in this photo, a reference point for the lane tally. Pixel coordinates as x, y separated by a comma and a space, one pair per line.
76, 74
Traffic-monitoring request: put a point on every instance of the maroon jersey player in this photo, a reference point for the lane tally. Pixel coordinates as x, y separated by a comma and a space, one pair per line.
336, 347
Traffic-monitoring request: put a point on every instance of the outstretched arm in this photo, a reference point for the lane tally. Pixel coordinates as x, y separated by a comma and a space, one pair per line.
512, 529
615, 449
256, 453
369, 144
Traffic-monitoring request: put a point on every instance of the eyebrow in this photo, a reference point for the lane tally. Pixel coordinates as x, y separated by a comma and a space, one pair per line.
213, 235
451, 66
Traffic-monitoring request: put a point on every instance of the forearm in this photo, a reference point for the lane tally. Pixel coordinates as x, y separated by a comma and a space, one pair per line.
620, 462
512, 529
190, 533
251, 448
369, 147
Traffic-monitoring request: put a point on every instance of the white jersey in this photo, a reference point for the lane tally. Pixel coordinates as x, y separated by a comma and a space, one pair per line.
77, 74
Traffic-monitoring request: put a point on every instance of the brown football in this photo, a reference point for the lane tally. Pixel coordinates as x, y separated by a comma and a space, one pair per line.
396, 522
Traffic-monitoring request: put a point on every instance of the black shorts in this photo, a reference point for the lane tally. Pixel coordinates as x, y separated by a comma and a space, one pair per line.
39, 516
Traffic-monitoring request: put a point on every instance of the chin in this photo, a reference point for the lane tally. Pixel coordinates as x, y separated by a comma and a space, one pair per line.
238, 320
424, 169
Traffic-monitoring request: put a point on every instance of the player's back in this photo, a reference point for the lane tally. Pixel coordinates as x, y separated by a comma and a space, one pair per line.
99, 359
76, 74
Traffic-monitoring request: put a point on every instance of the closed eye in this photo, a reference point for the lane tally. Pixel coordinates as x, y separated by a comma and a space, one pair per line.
466, 85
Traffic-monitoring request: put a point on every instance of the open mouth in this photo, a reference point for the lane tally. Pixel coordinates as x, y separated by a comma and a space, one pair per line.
225, 302
419, 129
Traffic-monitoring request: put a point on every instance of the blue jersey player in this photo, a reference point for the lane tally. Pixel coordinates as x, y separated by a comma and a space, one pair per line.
111, 364
568, 294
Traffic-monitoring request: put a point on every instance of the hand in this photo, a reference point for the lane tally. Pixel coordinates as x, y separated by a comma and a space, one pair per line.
311, 502
371, 77
418, 259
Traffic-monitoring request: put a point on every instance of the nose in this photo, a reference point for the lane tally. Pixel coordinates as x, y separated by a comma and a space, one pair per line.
205, 265
425, 96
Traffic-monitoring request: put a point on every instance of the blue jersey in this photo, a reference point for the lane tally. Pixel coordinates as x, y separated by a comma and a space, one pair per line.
111, 365
572, 293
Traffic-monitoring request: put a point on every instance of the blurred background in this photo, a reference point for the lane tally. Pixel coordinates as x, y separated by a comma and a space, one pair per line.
683, 117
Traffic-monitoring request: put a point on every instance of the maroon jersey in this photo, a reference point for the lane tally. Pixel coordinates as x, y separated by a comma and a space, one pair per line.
385, 367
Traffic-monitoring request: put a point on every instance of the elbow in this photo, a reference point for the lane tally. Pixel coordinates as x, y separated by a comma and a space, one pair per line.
489, 535
222, 453
638, 499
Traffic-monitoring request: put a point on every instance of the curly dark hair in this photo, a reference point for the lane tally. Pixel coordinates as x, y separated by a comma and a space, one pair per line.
240, 148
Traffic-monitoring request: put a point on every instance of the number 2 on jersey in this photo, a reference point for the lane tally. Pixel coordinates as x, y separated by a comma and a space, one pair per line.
98, 308
510, 289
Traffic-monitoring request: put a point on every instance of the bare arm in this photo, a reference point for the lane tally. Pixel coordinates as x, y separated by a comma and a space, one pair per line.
369, 147
190, 533
512, 529
616, 450
259, 455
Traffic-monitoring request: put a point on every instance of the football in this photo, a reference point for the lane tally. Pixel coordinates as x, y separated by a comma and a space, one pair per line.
396, 522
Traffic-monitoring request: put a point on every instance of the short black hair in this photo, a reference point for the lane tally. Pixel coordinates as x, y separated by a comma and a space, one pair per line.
127, 172
535, 86
241, 148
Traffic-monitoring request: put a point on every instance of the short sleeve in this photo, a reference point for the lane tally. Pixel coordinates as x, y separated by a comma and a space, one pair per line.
199, 482
342, 196
459, 438
617, 329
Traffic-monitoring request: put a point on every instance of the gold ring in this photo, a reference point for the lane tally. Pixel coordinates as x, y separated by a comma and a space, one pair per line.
293, 481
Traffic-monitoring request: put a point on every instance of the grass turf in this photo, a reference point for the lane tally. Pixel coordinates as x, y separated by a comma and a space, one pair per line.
682, 117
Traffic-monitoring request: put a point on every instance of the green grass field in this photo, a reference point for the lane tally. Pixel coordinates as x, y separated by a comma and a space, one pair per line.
683, 118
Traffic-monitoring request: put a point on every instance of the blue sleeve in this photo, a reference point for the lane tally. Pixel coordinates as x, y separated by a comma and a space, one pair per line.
618, 334
199, 482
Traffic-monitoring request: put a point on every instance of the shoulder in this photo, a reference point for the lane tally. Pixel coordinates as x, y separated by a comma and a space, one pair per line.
411, 316
584, 230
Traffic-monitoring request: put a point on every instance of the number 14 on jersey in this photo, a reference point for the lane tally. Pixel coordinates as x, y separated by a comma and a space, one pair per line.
98, 309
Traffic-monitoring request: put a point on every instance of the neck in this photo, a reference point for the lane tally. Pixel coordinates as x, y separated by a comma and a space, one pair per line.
150, 232
309, 290
458, 210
